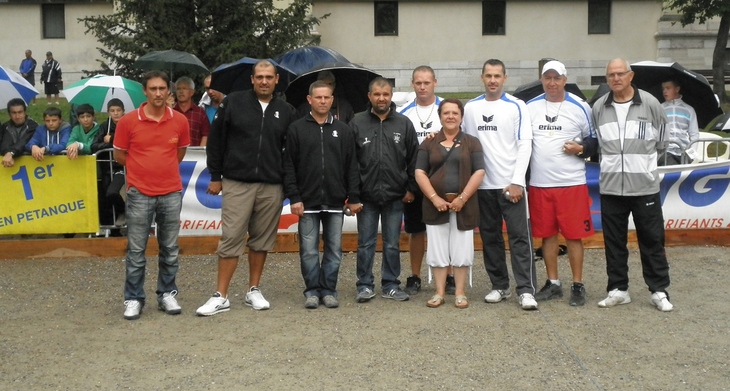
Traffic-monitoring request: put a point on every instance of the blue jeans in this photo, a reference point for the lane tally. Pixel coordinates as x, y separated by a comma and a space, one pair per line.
141, 209
320, 280
391, 216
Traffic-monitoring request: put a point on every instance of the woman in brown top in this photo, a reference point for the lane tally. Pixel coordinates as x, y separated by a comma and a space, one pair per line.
449, 169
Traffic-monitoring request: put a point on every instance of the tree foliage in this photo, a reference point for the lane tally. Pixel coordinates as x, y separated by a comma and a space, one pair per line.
217, 31
701, 11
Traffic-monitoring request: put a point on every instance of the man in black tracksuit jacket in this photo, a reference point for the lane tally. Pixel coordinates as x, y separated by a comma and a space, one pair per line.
244, 157
320, 175
386, 151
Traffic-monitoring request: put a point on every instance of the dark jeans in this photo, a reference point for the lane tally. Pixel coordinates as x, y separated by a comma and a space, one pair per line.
649, 222
390, 215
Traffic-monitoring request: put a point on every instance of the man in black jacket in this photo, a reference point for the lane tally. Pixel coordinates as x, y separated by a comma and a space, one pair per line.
16, 132
244, 157
386, 152
320, 175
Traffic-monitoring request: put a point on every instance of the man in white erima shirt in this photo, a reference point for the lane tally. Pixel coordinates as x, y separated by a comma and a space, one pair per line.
562, 134
501, 122
423, 112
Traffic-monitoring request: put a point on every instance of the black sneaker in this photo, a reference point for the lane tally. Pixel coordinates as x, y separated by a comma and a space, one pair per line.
549, 292
577, 294
450, 285
413, 285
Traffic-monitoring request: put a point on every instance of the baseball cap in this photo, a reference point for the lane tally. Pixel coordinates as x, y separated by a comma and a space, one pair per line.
556, 66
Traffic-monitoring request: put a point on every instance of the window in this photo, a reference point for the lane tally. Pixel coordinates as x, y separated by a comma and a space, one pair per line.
493, 17
599, 17
386, 18
54, 21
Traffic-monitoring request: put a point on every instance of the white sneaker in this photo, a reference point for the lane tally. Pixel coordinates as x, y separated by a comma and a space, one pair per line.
527, 302
497, 295
132, 309
615, 297
661, 301
255, 299
216, 304
169, 303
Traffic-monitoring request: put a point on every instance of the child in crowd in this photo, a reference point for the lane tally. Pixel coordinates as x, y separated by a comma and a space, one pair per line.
83, 134
51, 137
111, 180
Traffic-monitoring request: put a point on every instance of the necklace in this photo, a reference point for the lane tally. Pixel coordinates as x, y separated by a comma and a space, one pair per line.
548, 118
423, 123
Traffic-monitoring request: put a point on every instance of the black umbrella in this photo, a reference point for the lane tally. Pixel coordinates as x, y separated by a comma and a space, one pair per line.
236, 76
696, 91
172, 61
301, 60
352, 84
534, 89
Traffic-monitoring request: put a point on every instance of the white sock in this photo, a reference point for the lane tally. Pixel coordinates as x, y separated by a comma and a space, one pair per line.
555, 282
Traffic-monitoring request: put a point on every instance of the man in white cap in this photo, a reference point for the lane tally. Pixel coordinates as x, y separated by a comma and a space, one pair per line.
562, 136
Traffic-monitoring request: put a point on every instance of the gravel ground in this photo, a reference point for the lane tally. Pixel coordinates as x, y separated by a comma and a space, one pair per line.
62, 328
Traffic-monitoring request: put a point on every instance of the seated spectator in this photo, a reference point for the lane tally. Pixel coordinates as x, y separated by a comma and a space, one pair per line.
341, 109
16, 132
199, 123
51, 137
83, 134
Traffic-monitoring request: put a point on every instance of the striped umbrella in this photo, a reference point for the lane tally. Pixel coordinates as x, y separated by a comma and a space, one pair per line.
12, 86
100, 89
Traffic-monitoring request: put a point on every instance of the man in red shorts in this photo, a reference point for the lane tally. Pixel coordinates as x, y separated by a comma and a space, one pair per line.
563, 135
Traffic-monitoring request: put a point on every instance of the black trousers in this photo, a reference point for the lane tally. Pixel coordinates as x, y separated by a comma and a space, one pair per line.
649, 223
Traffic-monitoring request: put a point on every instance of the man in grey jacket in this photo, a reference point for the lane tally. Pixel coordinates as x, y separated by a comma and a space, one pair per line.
630, 127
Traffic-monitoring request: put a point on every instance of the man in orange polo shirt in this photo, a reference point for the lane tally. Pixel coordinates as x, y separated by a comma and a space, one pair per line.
151, 142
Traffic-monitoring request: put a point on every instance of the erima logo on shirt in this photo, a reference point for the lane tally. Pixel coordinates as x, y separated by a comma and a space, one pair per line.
550, 127
486, 119
550, 119
426, 125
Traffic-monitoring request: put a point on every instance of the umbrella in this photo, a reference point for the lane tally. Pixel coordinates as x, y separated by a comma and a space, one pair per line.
720, 124
602, 90
98, 90
301, 60
236, 76
12, 86
534, 89
352, 84
696, 91
172, 61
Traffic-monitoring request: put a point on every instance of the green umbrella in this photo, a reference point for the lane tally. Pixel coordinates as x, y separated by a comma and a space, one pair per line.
100, 89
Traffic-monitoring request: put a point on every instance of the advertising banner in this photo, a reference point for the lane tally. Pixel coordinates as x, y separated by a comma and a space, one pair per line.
52, 196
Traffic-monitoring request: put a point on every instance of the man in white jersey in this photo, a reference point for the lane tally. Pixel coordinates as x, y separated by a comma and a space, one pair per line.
682, 126
501, 122
562, 134
630, 127
423, 112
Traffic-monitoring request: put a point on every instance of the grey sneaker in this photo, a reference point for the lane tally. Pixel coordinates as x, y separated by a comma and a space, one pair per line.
312, 302
497, 295
577, 294
413, 285
365, 295
215, 305
169, 304
330, 301
396, 294
132, 309
549, 292
450, 285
